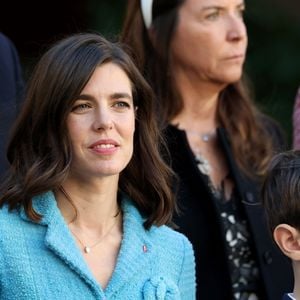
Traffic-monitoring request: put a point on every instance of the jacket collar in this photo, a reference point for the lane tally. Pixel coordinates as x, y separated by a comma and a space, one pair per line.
58, 238
135, 251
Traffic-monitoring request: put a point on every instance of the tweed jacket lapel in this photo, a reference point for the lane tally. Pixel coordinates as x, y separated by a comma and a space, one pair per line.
59, 239
137, 250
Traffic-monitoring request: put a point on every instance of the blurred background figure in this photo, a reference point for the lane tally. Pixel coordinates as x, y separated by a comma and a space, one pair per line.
11, 90
192, 52
296, 122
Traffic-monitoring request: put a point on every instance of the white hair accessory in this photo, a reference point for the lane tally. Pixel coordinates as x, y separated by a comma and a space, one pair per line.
146, 6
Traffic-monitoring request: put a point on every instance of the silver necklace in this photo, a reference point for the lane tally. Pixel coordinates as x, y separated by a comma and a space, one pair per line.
205, 137
86, 248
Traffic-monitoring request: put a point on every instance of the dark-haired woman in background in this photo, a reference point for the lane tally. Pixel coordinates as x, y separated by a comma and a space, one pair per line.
84, 207
192, 52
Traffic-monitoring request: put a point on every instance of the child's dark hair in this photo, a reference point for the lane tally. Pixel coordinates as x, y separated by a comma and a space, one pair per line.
281, 190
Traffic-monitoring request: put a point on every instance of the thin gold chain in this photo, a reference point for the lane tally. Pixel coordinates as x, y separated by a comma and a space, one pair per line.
86, 248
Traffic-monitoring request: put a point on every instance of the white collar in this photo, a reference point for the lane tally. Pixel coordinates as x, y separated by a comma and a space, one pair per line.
146, 7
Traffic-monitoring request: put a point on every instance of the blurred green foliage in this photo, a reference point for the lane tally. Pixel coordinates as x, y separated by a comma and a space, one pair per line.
273, 61
106, 16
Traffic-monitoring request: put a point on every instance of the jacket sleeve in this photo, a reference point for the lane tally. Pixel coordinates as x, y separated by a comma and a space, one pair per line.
1, 271
296, 122
18, 77
187, 278
12, 84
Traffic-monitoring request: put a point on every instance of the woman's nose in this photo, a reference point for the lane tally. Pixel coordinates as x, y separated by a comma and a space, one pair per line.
236, 29
103, 119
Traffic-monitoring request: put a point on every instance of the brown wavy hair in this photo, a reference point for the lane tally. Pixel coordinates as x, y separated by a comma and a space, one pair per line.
40, 151
252, 147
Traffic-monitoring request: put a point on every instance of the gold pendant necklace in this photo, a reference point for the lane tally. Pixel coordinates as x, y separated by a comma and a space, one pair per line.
87, 249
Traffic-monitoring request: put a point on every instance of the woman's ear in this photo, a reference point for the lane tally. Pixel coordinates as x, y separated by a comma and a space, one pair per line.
288, 240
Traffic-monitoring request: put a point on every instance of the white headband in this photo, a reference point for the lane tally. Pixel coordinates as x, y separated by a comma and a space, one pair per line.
146, 6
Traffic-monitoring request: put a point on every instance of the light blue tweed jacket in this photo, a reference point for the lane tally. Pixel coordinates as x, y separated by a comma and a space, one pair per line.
42, 261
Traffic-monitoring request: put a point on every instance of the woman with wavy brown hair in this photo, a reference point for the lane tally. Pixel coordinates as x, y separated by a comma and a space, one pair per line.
192, 52
84, 209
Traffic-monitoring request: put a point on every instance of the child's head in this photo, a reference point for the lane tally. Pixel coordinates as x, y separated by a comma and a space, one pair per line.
281, 199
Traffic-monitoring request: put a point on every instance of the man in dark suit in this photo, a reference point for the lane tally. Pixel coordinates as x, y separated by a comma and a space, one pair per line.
11, 90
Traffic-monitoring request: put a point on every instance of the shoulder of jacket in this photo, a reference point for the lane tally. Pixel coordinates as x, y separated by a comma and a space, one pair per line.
8, 218
169, 237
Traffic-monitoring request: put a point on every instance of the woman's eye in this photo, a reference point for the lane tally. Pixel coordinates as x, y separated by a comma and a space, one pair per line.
241, 13
122, 104
212, 16
80, 107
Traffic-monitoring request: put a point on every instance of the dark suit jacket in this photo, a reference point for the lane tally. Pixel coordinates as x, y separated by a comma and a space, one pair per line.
11, 89
286, 297
200, 222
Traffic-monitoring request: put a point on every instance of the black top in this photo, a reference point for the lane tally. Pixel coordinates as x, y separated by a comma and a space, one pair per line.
201, 222
243, 266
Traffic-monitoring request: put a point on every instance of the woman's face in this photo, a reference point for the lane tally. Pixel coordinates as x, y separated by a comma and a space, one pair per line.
210, 40
101, 124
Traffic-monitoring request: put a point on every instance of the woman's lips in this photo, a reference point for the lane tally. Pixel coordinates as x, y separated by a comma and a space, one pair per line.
105, 146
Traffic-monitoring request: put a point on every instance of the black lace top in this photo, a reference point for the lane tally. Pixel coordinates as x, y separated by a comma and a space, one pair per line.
242, 264
245, 277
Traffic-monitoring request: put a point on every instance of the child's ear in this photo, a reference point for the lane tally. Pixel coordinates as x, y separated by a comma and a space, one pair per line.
288, 240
